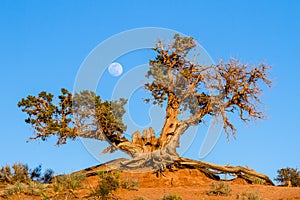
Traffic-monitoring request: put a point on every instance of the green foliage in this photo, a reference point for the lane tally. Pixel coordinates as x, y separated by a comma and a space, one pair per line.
64, 183
83, 114
221, 189
169, 60
130, 184
176, 78
248, 196
172, 197
288, 177
105, 115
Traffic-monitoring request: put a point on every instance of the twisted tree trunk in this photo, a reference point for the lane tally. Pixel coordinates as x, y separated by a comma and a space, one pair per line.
159, 154
149, 152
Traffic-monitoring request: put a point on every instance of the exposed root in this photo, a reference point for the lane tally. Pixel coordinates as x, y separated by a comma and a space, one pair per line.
158, 163
154, 161
213, 170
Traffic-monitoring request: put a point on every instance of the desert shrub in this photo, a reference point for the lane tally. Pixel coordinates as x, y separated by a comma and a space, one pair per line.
68, 182
288, 177
36, 173
221, 189
105, 173
16, 189
260, 181
35, 188
48, 176
255, 180
19, 172
130, 184
5, 174
248, 196
31, 188
172, 197
109, 182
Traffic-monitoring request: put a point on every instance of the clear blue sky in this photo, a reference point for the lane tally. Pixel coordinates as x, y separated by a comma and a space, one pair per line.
43, 44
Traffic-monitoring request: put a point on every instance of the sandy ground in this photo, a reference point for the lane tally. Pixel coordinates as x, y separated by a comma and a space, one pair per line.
199, 192
190, 184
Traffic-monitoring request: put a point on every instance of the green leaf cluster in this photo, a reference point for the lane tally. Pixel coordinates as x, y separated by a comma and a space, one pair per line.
83, 114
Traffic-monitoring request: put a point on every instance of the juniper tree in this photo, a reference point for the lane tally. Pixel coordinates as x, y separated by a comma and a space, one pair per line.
178, 83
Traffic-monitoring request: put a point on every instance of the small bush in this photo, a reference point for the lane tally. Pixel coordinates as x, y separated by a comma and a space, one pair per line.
48, 176
109, 182
35, 188
249, 196
172, 197
6, 174
31, 188
68, 182
16, 189
36, 173
288, 177
260, 181
221, 189
19, 172
255, 180
130, 184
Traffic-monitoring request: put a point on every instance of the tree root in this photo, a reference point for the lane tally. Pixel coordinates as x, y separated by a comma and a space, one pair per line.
158, 163
154, 161
212, 171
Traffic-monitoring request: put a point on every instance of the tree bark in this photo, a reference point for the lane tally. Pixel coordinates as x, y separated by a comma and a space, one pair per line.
171, 121
212, 171
151, 154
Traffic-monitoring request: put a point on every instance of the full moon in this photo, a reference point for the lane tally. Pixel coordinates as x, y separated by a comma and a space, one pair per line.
115, 69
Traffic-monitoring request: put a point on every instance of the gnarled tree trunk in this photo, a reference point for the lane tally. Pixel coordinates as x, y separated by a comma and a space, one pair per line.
149, 152
157, 153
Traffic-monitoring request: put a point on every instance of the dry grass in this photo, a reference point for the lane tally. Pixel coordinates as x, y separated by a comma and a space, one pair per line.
221, 189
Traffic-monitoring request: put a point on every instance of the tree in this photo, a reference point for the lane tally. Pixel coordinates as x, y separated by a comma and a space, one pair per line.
176, 82
288, 177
